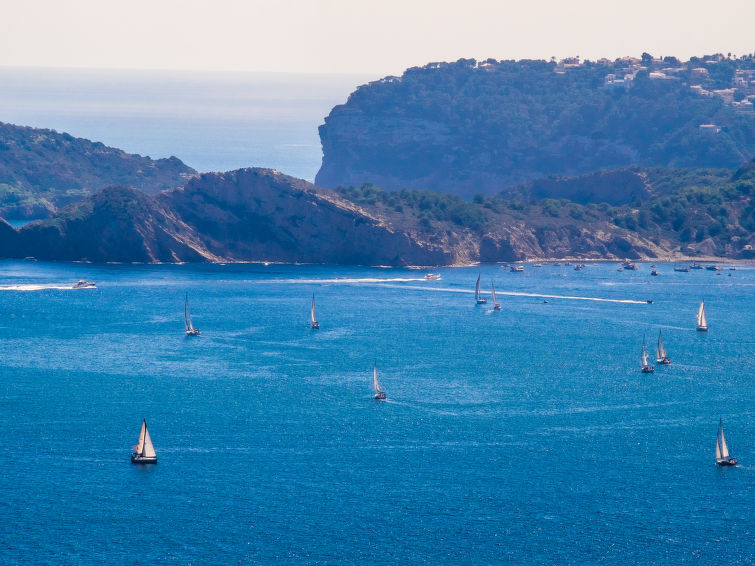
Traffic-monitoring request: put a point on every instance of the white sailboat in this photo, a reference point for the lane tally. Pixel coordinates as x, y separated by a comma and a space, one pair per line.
496, 306
479, 299
702, 323
315, 324
660, 352
646, 367
379, 395
190, 330
144, 452
723, 458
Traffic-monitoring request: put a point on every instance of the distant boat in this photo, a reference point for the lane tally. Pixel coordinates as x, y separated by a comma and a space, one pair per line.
713, 268
190, 330
517, 268
654, 272
432, 277
579, 267
702, 323
682, 268
315, 324
723, 458
379, 395
660, 352
695, 265
144, 452
479, 299
81, 284
646, 367
496, 306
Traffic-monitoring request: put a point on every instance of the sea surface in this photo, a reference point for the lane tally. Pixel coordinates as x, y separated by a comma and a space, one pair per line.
525, 436
211, 121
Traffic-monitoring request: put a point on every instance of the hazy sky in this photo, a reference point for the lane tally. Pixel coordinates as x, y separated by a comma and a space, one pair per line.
380, 37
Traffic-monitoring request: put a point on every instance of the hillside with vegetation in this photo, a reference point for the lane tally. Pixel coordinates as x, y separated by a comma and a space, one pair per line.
263, 215
469, 126
42, 171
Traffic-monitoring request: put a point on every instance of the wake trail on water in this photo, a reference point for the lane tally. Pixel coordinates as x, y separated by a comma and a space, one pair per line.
386, 282
36, 287
522, 294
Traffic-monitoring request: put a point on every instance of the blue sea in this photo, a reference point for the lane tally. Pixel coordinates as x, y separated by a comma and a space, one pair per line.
526, 436
211, 121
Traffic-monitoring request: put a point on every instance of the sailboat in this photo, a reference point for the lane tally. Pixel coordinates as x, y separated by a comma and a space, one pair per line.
479, 299
144, 452
646, 367
702, 323
379, 395
660, 352
496, 306
723, 458
315, 324
190, 330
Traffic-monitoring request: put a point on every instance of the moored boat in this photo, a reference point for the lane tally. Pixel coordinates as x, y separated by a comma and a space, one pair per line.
723, 458
144, 451
681, 268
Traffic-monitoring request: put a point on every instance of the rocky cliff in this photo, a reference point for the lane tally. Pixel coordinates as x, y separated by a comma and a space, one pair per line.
481, 127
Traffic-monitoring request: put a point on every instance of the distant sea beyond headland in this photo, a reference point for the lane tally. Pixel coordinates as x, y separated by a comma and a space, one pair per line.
211, 121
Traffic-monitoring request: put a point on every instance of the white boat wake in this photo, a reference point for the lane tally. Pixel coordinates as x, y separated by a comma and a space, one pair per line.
35, 287
521, 294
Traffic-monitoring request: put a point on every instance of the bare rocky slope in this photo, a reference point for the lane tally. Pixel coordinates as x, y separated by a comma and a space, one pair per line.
263, 215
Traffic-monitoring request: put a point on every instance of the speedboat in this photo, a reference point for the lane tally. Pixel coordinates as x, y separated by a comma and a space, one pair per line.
432, 277
81, 284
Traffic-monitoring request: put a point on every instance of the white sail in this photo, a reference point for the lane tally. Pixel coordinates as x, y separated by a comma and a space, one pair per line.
187, 316
375, 382
644, 356
492, 291
701, 321
660, 350
477, 289
722, 450
312, 312
142, 434
148, 451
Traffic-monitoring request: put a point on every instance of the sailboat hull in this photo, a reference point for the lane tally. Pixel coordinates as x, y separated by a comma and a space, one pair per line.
727, 462
379, 396
702, 329
649, 369
664, 361
315, 326
135, 459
